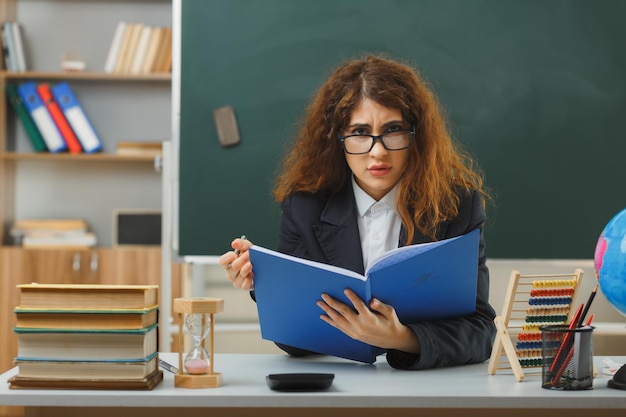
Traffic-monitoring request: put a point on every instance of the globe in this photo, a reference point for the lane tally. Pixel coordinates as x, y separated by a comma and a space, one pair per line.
610, 261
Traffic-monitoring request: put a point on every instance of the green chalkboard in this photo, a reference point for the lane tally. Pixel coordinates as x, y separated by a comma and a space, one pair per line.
535, 90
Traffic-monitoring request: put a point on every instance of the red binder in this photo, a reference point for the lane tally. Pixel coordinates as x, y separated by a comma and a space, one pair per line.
73, 145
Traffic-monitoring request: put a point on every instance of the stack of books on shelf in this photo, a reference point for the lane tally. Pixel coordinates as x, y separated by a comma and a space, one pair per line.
137, 48
13, 47
87, 337
135, 148
52, 233
53, 117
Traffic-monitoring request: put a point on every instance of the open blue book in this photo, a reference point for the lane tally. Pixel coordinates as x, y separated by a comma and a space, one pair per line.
430, 281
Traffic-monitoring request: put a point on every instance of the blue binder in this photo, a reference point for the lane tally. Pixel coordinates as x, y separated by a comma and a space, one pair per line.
42, 118
76, 117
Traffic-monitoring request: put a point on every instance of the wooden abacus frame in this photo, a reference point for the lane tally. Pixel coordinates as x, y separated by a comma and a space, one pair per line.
514, 319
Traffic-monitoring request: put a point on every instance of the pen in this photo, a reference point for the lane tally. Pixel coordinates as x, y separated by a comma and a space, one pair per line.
237, 250
168, 367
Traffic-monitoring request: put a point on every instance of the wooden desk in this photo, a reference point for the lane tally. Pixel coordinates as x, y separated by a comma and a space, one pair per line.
363, 390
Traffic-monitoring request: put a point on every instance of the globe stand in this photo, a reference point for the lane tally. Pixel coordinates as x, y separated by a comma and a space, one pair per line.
196, 371
619, 379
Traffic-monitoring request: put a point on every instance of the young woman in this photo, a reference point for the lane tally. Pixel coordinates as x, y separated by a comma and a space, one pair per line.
373, 168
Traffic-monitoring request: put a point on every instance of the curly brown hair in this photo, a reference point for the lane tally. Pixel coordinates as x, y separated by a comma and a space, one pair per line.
437, 170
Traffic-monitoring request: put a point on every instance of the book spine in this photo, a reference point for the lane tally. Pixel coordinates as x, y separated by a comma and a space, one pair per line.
76, 117
37, 141
131, 48
140, 51
152, 50
73, 145
41, 116
165, 64
9, 47
114, 50
19, 47
124, 44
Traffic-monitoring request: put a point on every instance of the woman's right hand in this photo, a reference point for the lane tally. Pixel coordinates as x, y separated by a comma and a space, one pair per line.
238, 266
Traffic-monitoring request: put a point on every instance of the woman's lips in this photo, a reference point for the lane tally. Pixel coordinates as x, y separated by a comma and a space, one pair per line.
379, 170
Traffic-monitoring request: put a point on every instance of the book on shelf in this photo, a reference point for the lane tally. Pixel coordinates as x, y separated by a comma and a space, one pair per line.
19, 47
138, 48
45, 93
85, 296
129, 28
8, 43
152, 50
73, 370
86, 344
5, 49
163, 63
41, 116
114, 49
77, 118
136, 148
58, 231
430, 281
66, 318
141, 49
36, 140
40, 225
129, 49
3, 64
147, 383
60, 240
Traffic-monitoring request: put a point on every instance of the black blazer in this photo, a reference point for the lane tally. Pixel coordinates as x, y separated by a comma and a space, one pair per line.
324, 228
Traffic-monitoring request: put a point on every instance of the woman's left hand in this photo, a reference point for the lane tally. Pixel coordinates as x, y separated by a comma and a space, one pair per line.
376, 324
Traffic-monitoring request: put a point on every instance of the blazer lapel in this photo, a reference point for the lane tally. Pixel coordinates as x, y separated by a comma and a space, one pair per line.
337, 231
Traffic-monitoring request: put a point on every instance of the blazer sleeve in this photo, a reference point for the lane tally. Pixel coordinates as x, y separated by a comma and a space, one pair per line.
463, 340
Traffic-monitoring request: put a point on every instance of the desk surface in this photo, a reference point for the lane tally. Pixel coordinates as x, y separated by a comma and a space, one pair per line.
355, 386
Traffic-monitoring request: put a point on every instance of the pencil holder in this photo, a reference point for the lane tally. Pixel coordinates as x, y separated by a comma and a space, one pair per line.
567, 357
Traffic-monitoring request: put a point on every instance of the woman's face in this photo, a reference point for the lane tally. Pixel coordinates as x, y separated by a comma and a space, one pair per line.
379, 170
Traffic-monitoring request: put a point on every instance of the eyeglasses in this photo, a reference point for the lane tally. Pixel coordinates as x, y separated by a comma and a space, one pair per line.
392, 141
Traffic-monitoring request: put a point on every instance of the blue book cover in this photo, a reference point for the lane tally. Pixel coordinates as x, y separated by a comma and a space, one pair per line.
430, 281
42, 118
77, 118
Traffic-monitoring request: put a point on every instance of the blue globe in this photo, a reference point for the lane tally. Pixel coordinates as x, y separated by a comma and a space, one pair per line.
610, 261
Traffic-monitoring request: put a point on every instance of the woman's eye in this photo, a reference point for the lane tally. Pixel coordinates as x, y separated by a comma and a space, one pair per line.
394, 128
359, 131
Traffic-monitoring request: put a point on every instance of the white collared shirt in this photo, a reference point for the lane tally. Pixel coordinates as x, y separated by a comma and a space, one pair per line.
379, 222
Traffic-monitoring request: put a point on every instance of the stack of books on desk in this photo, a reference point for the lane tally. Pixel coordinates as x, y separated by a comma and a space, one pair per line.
87, 336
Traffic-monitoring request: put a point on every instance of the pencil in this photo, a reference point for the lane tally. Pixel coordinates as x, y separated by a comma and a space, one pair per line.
586, 310
565, 344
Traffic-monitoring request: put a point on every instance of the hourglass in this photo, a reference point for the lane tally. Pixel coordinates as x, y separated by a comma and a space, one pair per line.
196, 315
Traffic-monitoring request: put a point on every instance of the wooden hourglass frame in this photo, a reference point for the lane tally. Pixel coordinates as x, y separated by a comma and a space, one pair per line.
207, 306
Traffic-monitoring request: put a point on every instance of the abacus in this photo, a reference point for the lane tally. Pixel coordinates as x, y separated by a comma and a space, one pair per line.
531, 301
